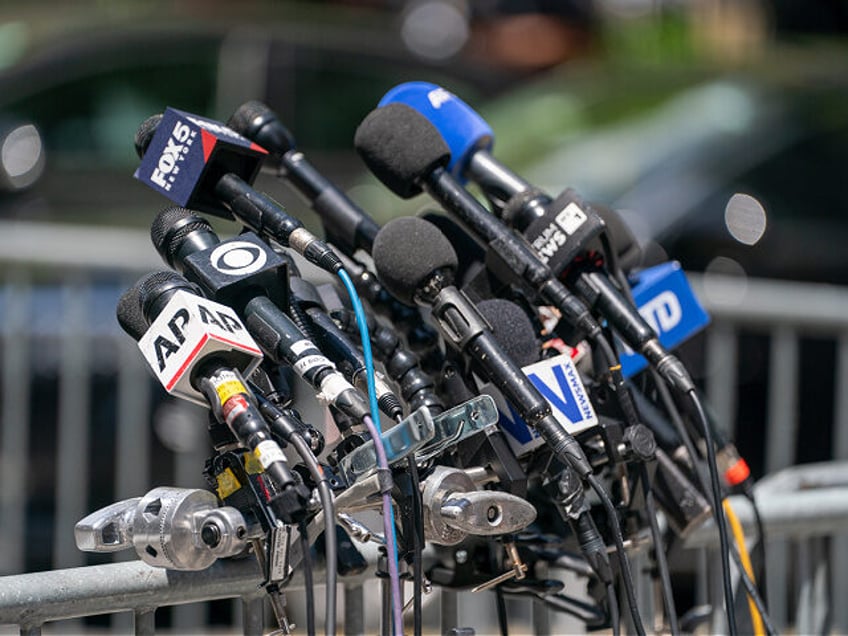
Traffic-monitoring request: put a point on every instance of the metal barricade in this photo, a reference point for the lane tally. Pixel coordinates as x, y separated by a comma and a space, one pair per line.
784, 311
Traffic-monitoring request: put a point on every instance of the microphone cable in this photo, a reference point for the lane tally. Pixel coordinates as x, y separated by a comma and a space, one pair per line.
417, 545
739, 539
624, 562
614, 616
384, 476
718, 510
671, 409
382, 463
628, 408
307, 578
659, 552
625, 400
759, 549
279, 424
330, 545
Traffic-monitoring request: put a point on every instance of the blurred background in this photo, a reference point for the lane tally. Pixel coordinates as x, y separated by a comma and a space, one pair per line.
663, 109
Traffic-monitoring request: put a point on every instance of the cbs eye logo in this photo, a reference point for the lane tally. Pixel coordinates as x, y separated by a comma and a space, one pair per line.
238, 258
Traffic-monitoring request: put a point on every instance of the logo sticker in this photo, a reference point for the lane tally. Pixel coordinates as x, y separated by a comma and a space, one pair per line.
238, 258
438, 97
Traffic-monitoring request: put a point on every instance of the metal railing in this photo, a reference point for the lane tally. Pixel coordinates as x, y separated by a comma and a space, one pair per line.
61, 326
786, 312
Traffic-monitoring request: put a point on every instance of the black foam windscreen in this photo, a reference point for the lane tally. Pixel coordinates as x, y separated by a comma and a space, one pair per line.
407, 251
513, 330
401, 147
129, 314
145, 133
468, 251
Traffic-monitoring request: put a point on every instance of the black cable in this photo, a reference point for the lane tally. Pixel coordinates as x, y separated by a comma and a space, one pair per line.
659, 552
752, 591
330, 547
307, 578
417, 546
671, 409
718, 510
760, 545
625, 401
624, 562
500, 604
615, 618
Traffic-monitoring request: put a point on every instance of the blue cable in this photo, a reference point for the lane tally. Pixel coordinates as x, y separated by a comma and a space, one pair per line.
359, 312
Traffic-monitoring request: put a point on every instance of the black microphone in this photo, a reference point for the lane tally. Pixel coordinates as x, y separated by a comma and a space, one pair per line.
415, 262
187, 242
210, 372
556, 228
345, 223
407, 154
512, 328
201, 163
514, 331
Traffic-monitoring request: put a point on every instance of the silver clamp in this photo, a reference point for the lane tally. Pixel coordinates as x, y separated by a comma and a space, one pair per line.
454, 508
175, 528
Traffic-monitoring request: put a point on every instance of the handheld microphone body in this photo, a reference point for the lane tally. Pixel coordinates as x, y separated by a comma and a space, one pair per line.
415, 262
206, 371
214, 176
176, 232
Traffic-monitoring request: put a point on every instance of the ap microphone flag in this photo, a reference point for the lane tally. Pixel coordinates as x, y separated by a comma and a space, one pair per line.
188, 330
188, 154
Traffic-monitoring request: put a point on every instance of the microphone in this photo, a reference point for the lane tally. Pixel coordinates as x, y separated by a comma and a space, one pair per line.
407, 154
209, 371
558, 229
187, 242
202, 164
415, 262
345, 223
176, 329
513, 330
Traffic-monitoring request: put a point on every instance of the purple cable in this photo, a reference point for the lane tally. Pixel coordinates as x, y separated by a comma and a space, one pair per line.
388, 522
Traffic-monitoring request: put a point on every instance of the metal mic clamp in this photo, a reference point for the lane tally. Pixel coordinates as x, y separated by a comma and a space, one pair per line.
454, 508
174, 528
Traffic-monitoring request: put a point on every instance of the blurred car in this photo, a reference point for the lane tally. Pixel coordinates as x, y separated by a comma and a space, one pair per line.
669, 148
86, 91
729, 172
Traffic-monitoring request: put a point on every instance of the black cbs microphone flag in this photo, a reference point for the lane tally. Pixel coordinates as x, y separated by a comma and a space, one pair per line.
188, 154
